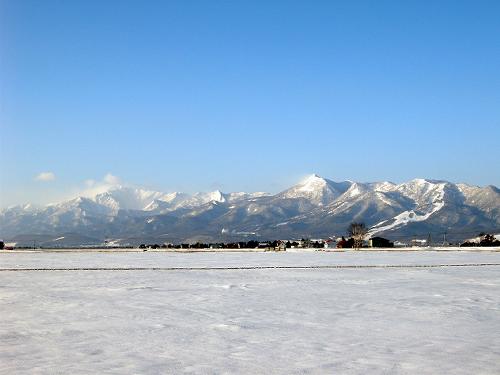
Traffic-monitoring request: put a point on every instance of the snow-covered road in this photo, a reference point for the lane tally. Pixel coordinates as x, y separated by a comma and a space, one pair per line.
348, 321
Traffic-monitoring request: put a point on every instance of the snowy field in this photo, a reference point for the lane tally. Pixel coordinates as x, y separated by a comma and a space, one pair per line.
194, 316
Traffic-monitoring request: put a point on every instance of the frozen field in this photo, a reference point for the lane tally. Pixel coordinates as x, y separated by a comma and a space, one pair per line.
194, 316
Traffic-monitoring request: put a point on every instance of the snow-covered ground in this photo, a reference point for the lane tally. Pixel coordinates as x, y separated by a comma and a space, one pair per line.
333, 320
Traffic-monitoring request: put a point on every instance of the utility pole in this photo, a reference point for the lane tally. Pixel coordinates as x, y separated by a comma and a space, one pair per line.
444, 239
429, 240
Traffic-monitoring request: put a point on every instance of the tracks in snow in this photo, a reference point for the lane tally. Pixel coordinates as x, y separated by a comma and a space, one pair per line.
28, 269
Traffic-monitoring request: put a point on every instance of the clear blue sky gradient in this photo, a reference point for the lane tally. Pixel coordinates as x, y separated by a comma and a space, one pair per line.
246, 95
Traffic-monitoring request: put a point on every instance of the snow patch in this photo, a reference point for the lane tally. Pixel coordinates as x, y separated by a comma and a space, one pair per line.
411, 216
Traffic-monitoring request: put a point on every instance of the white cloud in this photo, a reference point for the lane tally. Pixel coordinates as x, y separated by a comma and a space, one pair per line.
45, 176
111, 180
93, 187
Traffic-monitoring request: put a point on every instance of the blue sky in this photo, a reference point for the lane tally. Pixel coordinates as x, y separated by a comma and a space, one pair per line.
245, 95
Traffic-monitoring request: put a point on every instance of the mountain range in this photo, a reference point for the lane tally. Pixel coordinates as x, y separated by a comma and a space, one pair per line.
315, 208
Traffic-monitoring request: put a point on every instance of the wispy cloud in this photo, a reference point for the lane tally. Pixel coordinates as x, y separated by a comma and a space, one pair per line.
45, 177
111, 179
93, 187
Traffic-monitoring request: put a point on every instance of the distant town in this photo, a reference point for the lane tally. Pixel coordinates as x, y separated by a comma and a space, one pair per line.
484, 240
332, 243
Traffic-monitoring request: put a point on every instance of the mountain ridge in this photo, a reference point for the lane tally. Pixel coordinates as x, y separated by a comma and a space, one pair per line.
315, 207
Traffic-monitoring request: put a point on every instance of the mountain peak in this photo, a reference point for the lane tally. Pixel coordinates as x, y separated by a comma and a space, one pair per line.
318, 190
313, 177
216, 196
312, 183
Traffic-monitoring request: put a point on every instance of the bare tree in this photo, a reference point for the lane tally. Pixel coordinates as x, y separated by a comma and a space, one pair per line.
357, 231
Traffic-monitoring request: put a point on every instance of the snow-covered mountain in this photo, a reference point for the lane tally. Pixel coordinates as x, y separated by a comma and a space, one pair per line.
315, 207
319, 191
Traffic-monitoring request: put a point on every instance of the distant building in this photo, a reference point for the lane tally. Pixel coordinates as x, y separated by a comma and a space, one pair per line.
400, 244
281, 246
345, 244
380, 242
9, 245
418, 242
330, 244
